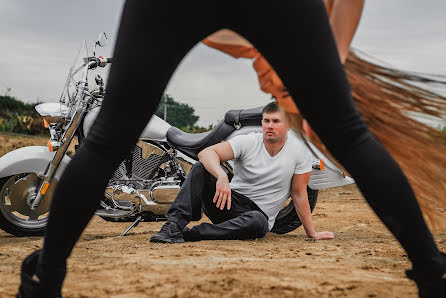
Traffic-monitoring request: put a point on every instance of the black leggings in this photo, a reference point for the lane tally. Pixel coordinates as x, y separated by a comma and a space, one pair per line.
295, 37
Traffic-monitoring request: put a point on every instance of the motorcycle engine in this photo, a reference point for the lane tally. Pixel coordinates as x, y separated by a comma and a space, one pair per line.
144, 166
148, 181
143, 163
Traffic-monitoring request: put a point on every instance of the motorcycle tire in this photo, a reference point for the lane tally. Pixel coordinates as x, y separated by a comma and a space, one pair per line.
287, 220
15, 224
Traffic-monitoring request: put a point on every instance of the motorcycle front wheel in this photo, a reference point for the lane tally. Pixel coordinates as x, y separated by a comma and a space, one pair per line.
287, 219
16, 195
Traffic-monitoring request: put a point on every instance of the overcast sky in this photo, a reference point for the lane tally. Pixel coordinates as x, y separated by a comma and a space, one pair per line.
39, 40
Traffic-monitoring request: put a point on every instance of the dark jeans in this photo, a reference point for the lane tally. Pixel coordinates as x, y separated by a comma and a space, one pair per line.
244, 220
295, 37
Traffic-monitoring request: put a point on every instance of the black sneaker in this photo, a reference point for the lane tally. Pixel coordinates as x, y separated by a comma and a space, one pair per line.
431, 282
428, 287
169, 233
33, 286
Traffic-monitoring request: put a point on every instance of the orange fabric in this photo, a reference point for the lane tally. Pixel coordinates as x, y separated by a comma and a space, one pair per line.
235, 51
229, 37
232, 44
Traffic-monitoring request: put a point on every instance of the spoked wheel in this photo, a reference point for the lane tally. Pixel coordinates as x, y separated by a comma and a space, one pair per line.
16, 196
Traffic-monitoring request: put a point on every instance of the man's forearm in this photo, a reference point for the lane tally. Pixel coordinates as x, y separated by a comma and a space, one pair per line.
211, 162
211, 157
303, 210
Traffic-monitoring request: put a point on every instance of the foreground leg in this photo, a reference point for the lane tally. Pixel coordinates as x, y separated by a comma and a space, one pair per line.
125, 111
309, 66
40, 284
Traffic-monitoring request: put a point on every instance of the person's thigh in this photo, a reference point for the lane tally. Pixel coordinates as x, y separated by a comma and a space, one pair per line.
217, 215
150, 45
298, 42
239, 205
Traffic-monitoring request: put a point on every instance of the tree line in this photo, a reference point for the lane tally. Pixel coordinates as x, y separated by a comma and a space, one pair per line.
180, 115
19, 117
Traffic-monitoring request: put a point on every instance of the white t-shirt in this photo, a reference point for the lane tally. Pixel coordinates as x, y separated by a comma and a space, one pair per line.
266, 179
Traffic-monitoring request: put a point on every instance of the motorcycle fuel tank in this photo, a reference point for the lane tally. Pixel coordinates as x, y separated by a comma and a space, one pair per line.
155, 130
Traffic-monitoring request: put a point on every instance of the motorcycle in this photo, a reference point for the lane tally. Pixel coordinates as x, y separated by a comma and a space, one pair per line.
146, 182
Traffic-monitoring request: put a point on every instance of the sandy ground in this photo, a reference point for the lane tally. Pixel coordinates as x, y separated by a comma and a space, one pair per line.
9, 142
363, 260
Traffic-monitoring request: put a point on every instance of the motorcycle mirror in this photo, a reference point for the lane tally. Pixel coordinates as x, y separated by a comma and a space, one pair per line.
101, 41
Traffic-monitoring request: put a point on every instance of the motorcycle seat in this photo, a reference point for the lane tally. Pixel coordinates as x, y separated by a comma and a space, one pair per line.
248, 117
192, 143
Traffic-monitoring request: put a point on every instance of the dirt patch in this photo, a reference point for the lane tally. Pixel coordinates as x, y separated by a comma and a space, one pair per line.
364, 260
11, 141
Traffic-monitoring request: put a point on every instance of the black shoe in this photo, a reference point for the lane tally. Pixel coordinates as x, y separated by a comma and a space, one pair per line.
189, 235
35, 284
431, 281
428, 287
169, 233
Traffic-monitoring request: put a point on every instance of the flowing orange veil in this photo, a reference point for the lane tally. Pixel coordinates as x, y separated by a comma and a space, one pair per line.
388, 100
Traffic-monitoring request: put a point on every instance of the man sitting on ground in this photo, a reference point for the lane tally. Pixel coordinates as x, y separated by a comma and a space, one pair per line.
266, 167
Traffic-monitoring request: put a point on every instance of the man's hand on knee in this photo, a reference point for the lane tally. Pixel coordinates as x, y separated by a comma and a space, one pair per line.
222, 193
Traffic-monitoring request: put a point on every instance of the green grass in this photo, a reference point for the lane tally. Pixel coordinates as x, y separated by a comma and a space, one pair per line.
11, 104
18, 117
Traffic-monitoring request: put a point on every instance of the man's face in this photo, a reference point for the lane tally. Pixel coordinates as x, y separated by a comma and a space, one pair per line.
274, 127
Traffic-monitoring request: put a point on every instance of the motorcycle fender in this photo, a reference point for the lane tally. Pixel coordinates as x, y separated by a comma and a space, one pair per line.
29, 159
330, 176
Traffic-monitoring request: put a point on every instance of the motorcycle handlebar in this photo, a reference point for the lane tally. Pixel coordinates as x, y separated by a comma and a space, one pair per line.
101, 61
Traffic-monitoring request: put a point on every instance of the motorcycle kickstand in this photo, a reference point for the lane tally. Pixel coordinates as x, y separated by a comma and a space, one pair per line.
134, 224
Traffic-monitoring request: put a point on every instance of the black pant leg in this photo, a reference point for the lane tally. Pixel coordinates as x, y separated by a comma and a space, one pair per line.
199, 186
244, 220
299, 45
239, 205
147, 51
248, 225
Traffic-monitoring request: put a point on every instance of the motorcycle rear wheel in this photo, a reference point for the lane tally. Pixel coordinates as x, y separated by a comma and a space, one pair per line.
287, 219
16, 216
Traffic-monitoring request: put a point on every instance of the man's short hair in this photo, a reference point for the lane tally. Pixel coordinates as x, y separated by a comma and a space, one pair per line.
272, 107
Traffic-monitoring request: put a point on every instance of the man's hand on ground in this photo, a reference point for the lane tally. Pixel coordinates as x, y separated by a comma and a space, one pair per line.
222, 193
323, 235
